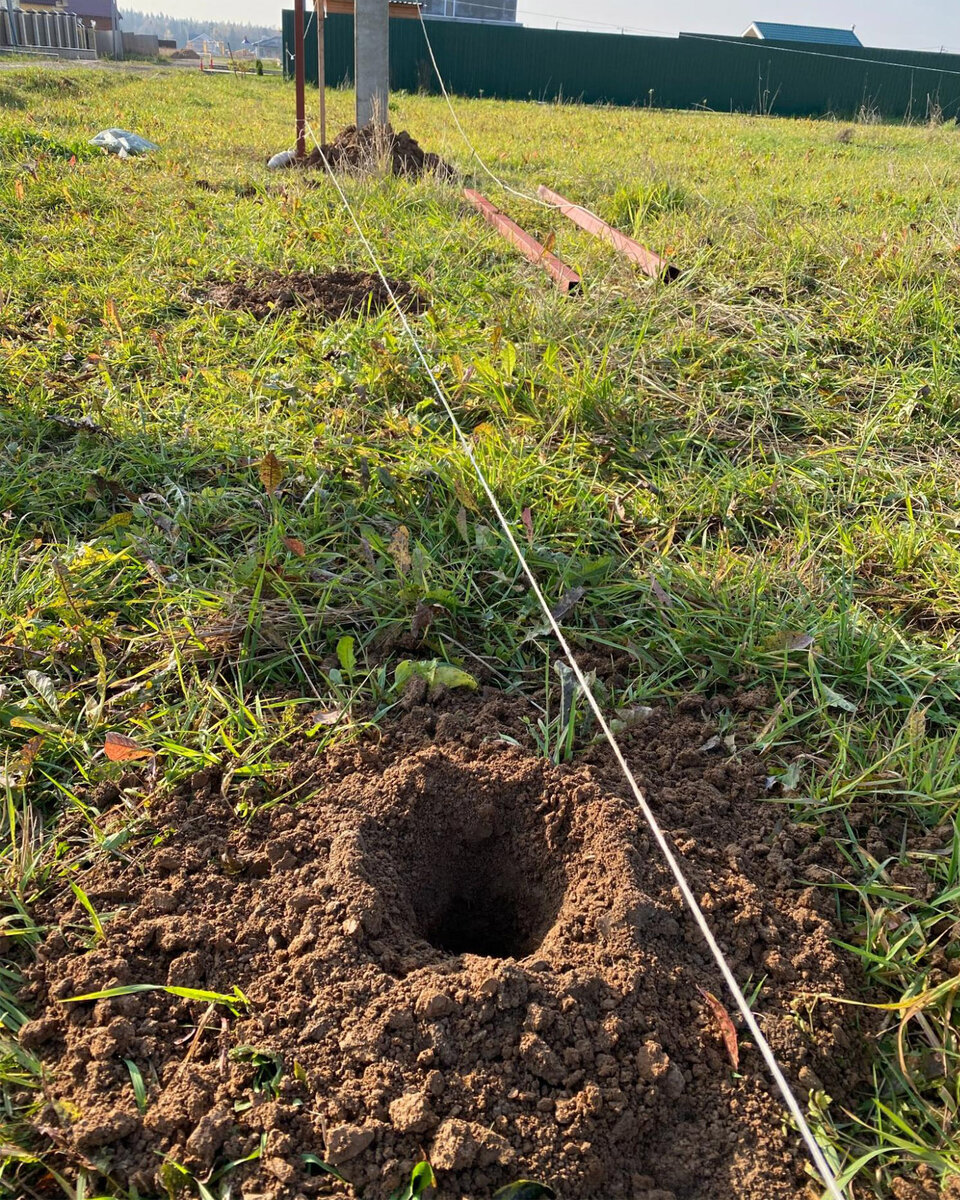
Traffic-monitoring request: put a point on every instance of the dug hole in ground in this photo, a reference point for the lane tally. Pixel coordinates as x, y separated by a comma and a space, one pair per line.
451, 948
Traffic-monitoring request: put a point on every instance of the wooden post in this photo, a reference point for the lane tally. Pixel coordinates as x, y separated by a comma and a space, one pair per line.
321, 9
298, 40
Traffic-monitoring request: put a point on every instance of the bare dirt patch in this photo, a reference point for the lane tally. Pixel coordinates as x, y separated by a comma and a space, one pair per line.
362, 149
452, 948
270, 293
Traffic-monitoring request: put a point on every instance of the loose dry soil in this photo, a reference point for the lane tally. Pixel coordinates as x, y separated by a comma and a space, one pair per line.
362, 149
458, 950
329, 296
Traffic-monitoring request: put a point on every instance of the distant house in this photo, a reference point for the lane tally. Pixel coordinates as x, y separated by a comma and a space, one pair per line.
502, 12
771, 31
205, 44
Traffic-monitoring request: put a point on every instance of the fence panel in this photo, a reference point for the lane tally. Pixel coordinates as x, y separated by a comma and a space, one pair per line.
518, 63
59, 33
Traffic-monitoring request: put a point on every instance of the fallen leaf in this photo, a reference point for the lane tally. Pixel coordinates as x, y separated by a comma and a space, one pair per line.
462, 525
110, 309
328, 718
117, 521
424, 617
399, 549
567, 602
728, 1030
119, 748
788, 640
18, 189
30, 751
271, 472
453, 677
626, 718
464, 496
433, 672
25, 722
43, 686
664, 597
833, 699
527, 518
295, 546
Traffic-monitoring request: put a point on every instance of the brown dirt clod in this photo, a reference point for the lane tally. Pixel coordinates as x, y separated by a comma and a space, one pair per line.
457, 949
330, 296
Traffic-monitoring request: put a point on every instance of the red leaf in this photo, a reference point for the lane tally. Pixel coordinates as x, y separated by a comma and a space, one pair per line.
527, 518
118, 748
728, 1030
295, 546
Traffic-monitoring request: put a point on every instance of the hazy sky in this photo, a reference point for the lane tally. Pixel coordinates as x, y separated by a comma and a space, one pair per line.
920, 24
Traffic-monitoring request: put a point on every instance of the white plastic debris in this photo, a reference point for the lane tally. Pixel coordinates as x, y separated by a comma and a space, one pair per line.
123, 143
286, 158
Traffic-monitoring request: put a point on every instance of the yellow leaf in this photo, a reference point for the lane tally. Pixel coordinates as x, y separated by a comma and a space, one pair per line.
271, 472
32, 723
117, 521
399, 549
18, 189
464, 496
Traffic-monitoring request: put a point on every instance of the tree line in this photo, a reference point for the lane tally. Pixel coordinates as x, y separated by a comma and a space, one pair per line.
184, 28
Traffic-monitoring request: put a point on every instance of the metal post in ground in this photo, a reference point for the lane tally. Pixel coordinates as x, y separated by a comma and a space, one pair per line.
372, 70
298, 45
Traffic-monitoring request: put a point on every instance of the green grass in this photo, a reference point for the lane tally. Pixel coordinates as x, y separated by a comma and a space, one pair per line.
752, 473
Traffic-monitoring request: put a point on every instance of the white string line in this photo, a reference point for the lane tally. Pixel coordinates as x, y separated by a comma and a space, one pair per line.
456, 120
813, 1146
762, 44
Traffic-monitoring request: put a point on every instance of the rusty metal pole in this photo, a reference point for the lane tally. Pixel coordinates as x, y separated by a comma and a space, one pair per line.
321, 10
566, 279
651, 264
298, 41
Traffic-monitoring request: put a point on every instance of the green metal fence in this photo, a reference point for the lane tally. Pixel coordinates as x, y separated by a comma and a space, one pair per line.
517, 63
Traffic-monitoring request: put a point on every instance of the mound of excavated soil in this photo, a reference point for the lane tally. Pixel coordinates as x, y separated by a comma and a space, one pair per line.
359, 149
449, 947
329, 296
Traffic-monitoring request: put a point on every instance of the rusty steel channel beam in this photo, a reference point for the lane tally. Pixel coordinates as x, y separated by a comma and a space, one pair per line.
565, 278
648, 262
299, 77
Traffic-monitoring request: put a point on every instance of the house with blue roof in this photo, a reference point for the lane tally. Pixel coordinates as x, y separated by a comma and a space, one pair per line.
772, 31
